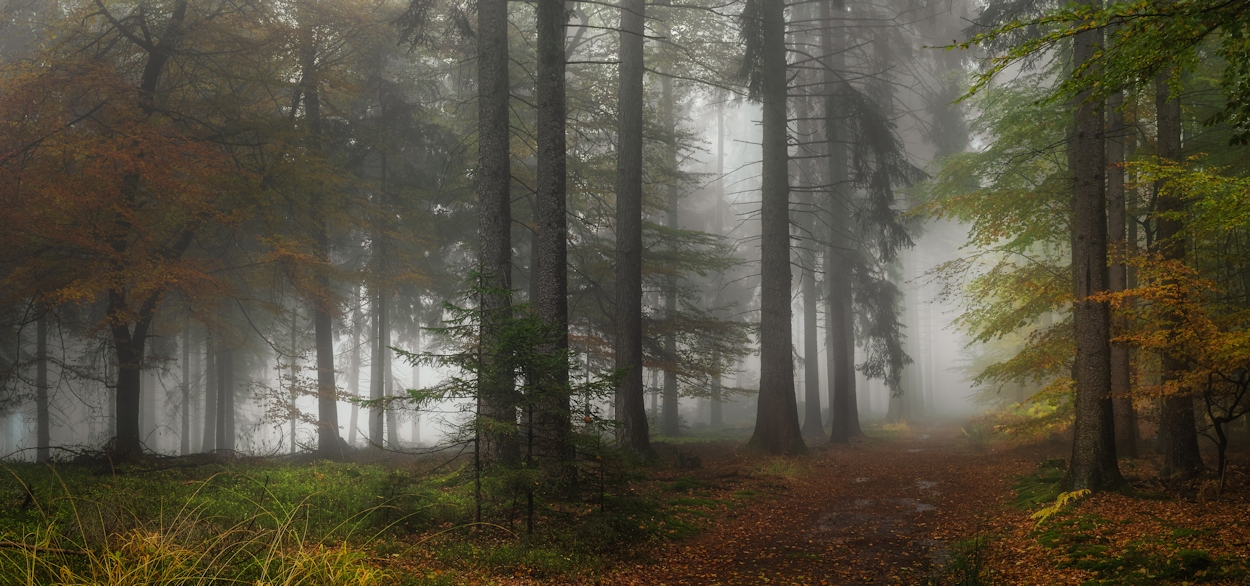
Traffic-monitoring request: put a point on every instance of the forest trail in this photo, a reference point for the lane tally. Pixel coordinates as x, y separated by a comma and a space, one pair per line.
877, 511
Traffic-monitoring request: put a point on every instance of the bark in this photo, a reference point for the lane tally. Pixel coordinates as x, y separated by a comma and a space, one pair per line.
209, 441
1121, 375
379, 364
225, 397
1178, 432
812, 424
130, 333
551, 420
329, 443
496, 395
184, 436
839, 324
294, 392
670, 424
43, 427
716, 415
1093, 447
777, 418
631, 411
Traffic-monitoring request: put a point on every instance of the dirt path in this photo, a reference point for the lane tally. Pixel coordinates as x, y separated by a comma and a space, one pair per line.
879, 511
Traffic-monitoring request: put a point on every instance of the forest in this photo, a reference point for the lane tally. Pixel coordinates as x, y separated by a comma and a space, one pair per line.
434, 292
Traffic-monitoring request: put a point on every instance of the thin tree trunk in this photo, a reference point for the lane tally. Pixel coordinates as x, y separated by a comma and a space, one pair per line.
416, 384
353, 373
717, 417
225, 396
43, 431
777, 418
552, 415
1121, 376
1178, 435
294, 384
1093, 446
377, 378
812, 423
670, 424
209, 442
184, 437
630, 401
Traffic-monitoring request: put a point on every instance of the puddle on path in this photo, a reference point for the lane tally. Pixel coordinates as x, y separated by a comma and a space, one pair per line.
925, 484
861, 480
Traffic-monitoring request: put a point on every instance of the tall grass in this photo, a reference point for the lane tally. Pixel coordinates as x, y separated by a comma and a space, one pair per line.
195, 533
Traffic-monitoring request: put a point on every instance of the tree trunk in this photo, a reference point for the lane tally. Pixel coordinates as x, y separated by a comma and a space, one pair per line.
1178, 432
43, 427
184, 437
552, 423
670, 424
1093, 447
631, 411
225, 396
812, 423
777, 418
353, 372
197, 390
716, 417
329, 444
295, 385
839, 320
378, 362
496, 394
1121, 374
209, 442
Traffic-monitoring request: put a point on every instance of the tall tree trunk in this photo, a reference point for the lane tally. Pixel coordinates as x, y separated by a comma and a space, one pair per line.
553, 426
1178, 435
717, 417
1093, 446
353, 372
43, 427
378, 362
631, 409
295, 386
777, 418
670, 424
1121, 375
197, 391
496, 393
184, 437
209, 441
329, 443
812, 423
225, 396
416, 384
839, 320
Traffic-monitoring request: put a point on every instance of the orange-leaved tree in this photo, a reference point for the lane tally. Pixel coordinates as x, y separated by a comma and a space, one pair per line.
103, 191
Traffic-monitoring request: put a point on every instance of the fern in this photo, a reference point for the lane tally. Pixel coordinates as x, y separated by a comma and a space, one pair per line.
1064, 499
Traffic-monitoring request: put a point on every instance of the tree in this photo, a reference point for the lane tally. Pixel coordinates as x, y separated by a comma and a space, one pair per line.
1178, 435
552, 421
630, 401
777, 418
1094, 463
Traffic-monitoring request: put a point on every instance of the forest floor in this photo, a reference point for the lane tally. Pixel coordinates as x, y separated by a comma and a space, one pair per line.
881, 510
923, 504
920, 503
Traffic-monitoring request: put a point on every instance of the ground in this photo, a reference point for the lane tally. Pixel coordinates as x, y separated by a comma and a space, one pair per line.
919, 503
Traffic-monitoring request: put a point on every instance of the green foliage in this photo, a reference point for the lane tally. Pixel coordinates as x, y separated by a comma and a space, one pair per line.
1041, 487
965, 565
1086, 543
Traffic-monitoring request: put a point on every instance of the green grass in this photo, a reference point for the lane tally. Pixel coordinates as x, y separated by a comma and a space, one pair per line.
1040, 488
